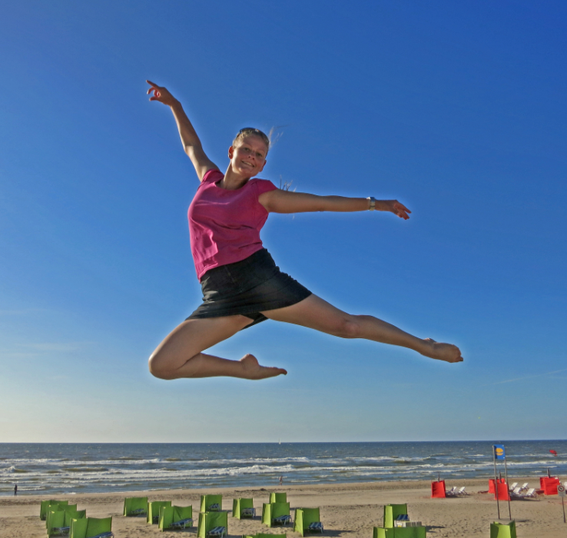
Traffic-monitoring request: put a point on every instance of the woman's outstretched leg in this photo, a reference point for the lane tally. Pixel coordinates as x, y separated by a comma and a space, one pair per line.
318, 314
181, 352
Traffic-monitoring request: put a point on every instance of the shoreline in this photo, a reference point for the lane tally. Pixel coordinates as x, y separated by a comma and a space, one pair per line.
401, 484
376, 484
348, 510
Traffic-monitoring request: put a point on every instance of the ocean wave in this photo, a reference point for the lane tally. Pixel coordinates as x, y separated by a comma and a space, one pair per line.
84, 469
12, 469
7, 470
373, 458
244, 461
91, 468
152, 474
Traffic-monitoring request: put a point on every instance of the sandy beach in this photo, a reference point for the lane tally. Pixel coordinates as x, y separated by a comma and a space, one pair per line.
347, 510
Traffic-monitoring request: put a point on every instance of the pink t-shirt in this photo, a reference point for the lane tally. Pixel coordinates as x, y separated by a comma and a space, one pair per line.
225, 225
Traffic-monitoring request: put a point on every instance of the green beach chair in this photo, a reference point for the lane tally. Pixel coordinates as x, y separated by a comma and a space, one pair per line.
175, 517
153, 511
391, 512
63, 513
135, 507
91, 527
211, 503
503, 530
278, 497
59, 522
400, 532
212, 524
243, 508
276, 514
46, 505
56, 524
307, 520
71, 508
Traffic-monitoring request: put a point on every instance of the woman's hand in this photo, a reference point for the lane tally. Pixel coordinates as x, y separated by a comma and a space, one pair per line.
394, 207
161, 94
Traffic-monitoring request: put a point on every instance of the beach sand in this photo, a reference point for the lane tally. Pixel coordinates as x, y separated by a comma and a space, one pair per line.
347, 510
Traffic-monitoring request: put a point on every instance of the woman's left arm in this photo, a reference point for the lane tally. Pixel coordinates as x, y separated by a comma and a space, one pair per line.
280, 201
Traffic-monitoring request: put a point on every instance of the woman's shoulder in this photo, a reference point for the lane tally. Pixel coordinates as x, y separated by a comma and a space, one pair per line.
212, 176
263, 185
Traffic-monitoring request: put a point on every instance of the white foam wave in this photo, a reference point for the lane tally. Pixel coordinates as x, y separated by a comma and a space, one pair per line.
84, 468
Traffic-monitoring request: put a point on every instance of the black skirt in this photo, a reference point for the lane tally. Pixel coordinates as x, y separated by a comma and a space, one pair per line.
248, 288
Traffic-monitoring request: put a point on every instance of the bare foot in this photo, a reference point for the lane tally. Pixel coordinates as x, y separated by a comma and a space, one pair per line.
254, 370
442, 352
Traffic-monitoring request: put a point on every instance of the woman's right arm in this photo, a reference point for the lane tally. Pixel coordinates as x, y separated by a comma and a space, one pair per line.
189, 139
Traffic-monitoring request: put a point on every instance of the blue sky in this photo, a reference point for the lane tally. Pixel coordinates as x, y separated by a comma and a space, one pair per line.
457, 109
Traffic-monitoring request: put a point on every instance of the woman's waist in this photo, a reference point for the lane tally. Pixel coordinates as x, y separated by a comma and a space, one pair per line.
241, 275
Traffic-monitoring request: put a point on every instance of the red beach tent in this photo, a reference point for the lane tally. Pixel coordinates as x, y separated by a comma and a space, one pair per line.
503, 491
491, 488
549, 484
438, 489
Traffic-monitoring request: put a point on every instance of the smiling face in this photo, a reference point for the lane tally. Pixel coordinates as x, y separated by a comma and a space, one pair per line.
248, 155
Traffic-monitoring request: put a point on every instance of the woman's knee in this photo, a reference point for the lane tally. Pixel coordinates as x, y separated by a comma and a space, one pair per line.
175, 350
167, 367
159, 368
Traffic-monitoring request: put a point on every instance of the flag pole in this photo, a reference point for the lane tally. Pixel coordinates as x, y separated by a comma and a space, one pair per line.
495, 480
508, 487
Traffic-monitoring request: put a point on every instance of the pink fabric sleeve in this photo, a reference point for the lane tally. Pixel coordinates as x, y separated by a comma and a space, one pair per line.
264, 185
212, 175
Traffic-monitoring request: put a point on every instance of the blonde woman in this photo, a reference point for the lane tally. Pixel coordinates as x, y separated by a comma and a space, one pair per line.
241, 283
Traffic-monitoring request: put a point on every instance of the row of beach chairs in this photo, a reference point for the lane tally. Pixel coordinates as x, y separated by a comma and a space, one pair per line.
548, 486
515, 491
456, 492
63, 519
213, 522
438, 490
397, 524
522, 492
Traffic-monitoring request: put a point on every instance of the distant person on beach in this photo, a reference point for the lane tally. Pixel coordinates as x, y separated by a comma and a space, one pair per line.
281, 480
241, 284
16, 489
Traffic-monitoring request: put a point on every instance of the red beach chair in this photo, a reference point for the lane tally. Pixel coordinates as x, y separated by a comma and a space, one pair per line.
503, 491
549, 485
438, 490
491, 488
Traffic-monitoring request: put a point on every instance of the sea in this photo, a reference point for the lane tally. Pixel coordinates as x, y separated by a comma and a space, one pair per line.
52, 468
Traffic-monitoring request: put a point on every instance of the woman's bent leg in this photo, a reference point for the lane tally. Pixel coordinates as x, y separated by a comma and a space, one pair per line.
181, 352
318, 314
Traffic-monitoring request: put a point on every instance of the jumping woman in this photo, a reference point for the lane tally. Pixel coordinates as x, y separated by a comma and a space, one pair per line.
241, 284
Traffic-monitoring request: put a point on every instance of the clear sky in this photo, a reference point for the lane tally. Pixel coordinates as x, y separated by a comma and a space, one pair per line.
457, 109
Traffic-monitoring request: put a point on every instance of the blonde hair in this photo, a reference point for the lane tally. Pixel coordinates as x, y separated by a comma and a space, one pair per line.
247, 131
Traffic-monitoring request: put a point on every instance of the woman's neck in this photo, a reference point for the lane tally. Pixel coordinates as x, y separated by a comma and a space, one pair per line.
232, 181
